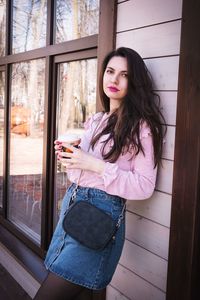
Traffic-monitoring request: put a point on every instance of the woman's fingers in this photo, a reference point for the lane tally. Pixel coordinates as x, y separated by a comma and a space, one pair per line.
56, 142
68, 163
58, 147
66, 155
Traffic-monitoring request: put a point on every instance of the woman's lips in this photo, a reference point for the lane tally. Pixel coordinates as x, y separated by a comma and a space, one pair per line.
113, 89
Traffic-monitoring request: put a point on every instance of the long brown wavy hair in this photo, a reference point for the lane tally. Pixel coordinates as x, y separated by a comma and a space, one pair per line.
141, 104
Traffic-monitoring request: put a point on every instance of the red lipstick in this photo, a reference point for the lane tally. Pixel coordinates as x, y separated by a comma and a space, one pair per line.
113, 89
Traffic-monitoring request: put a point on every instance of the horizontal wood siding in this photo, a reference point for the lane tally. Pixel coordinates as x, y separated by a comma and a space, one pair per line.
144, 40
152, 28
133, 286
138, 229
134, 14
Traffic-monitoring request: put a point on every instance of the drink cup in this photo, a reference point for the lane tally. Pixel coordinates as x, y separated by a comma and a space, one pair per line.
69, 138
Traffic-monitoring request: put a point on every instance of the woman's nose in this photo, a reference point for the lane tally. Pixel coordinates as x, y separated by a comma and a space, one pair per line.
114, 78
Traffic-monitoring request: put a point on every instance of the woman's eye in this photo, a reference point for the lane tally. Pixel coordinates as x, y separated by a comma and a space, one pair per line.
124, 75
109, 71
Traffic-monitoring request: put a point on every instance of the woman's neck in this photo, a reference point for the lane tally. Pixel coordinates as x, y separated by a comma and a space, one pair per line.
114, 104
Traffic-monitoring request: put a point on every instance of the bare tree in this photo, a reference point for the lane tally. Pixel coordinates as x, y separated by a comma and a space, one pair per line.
2, 26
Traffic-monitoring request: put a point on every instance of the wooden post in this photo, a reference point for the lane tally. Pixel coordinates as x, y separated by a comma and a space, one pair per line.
184, 248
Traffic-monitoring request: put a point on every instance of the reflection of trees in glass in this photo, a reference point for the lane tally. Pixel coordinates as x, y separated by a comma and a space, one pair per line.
27, 112
77, 93
76, 18
2, 26
29, 24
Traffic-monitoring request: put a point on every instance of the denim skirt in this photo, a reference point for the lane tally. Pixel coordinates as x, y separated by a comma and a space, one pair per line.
76, 263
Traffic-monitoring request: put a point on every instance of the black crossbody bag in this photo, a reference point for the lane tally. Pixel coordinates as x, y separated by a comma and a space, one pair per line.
89, 225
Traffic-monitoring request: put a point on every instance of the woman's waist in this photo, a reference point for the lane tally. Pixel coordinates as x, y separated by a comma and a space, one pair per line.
96, 192
86, 179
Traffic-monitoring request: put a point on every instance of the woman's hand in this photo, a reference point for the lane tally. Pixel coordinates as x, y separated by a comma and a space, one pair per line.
78, 159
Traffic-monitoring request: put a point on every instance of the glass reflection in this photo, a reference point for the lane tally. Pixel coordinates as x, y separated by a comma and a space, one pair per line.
76, 19
2, 26
26, 146
29, 24
2, 85
76, 101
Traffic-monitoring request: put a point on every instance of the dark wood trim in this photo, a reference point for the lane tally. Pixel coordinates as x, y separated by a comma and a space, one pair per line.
6, 151
17, 233
195, 278
85, 54
50, 21
107, 35
9, 23
46, 209
184, 247
66, 47
25, 255
52, 133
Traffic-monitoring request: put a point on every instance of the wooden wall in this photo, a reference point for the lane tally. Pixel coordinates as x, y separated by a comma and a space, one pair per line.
152, 28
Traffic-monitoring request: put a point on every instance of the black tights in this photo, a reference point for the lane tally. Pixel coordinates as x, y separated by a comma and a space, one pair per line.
57, 288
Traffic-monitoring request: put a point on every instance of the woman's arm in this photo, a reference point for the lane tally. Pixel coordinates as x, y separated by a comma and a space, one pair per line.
80, 159
137, 184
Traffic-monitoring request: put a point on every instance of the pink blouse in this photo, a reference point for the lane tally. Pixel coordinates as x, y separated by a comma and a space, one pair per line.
130, 177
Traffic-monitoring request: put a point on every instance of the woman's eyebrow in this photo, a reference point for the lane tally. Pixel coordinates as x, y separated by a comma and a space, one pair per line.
123, 71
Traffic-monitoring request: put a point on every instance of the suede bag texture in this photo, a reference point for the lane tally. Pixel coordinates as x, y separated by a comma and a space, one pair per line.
89, 225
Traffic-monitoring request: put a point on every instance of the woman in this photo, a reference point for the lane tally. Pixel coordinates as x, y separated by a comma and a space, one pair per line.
125, 148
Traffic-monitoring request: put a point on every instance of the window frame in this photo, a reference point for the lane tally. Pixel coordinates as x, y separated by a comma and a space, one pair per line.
87, 47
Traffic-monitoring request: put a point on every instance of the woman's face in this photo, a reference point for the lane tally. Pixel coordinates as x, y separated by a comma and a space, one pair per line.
115, 79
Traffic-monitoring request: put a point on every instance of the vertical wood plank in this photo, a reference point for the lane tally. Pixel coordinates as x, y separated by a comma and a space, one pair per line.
184, 262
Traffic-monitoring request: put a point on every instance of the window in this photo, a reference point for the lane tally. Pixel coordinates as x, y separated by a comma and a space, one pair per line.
2, 26
49, 57
76, 101
76, 19
29, 25
26, 146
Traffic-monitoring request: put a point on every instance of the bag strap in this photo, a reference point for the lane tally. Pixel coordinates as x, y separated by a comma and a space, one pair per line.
77, 183
73, 197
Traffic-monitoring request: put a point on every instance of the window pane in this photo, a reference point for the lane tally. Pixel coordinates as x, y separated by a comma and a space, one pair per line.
76, 19
2, 84
29, 24
26, 146
76, 101
2, 26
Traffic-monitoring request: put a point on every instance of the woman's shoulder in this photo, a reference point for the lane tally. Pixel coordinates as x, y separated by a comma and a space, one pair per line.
96, 117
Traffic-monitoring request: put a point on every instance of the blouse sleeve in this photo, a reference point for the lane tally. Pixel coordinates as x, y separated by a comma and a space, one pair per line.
88, 125
139, 183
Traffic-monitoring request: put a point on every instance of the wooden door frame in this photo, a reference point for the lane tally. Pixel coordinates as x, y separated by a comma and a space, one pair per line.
184, 246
